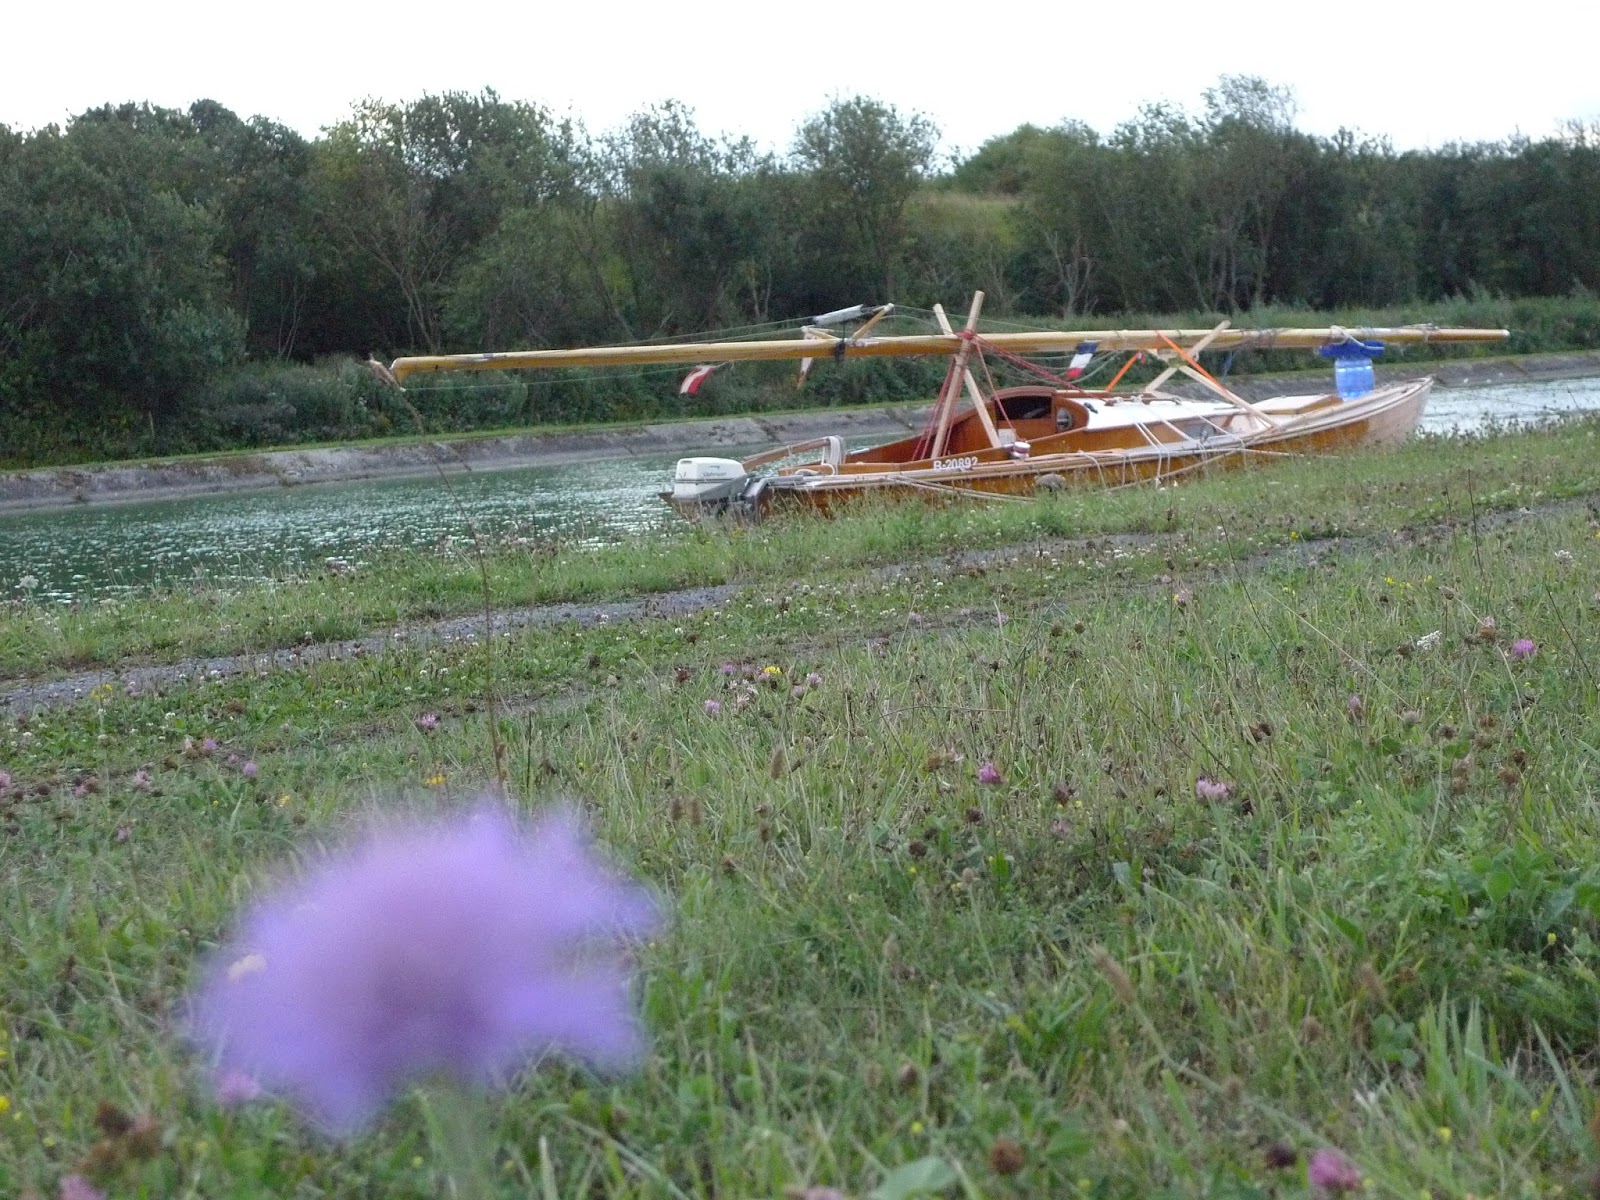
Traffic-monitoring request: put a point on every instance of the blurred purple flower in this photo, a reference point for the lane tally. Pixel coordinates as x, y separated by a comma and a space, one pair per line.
1523, 648
209, 745
427, 722
235, 1087
1000, 618
141, 779
798, 690
76, 1187
916, 618
989, 773
1183, 597
250, 770
1357, 707
1207, 788
460, 947
729, 668
1330, 1172
5, 780
713, 707
813, 679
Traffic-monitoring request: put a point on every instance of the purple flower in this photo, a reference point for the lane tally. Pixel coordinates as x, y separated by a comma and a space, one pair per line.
729, 669
1207, 788
1356, 706
813, 679
1332, 1173
5, 780
209, 745
460, 947
76, 1187
428, 722
1000, 618
1523, 648
1183, 597
713, 707
235, 1087
249, 770
798, 690
916, 618
141, 779
989, 773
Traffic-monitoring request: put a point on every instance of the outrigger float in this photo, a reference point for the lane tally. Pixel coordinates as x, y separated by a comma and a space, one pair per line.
1016, 441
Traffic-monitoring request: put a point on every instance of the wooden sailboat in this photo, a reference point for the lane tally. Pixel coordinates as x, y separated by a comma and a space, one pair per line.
1018, 440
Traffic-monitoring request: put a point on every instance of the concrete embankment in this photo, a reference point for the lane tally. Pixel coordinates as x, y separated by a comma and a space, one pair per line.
259, 471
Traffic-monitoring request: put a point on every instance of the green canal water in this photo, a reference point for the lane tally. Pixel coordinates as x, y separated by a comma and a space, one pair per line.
97, 551
94, 552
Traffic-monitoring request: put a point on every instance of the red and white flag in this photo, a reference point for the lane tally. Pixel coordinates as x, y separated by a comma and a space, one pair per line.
693, 380
1080, 359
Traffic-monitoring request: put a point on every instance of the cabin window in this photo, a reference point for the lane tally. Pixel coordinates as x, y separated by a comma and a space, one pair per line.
1024, 408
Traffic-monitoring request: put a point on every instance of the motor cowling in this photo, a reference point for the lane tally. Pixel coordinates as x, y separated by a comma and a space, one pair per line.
708, 480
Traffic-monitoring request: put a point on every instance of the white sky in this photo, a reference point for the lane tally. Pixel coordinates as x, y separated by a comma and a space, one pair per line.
1422, 72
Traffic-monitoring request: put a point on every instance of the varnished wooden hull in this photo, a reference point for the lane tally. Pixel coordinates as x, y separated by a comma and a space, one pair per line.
1385, 417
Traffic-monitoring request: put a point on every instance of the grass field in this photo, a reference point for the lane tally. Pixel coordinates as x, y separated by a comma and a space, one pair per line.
1266, 866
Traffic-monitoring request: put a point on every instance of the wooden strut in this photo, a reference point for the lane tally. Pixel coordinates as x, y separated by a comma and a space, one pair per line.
958, 371
1196, 371
972, 385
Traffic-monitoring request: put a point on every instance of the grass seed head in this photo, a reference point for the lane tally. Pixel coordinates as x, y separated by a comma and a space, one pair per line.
1112, 970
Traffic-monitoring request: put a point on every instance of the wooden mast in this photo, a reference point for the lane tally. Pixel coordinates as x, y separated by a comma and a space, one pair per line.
693, 353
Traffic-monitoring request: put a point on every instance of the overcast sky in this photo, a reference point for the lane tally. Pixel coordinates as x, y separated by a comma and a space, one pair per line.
1423, 73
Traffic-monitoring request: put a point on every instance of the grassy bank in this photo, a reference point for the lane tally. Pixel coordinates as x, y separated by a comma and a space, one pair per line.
1379, 933
277, 404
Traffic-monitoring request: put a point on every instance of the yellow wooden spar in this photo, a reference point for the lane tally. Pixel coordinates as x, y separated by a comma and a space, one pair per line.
819, 345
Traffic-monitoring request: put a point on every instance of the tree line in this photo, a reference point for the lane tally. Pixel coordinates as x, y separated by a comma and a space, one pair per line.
167, 276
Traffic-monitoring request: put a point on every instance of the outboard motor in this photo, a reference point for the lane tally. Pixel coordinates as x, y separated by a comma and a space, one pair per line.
710, 482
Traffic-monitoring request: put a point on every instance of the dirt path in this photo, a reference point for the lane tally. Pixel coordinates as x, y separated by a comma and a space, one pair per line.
20, 698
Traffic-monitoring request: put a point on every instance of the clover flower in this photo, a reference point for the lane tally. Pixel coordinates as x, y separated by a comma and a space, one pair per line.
77, 1187
458, 947
1207, 788
1523, 648
249, 770
713, 707
1331, 1173
989, 773
813, 679
427, 722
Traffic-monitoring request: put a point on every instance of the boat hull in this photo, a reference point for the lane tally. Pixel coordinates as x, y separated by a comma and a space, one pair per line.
1385, 417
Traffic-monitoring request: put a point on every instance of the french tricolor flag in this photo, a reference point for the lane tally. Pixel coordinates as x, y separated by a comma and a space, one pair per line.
693, 380
1080, 359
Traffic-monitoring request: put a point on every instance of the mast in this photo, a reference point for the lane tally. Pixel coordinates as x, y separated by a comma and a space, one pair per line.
691, 353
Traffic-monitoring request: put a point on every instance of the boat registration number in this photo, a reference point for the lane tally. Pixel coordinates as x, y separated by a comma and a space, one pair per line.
965, 463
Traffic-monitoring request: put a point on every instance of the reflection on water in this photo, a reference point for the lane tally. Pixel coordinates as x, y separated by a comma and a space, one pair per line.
1466, 409
99, 551
90, 552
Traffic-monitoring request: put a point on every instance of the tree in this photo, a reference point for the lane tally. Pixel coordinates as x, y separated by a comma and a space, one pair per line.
865, 160
112, 298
